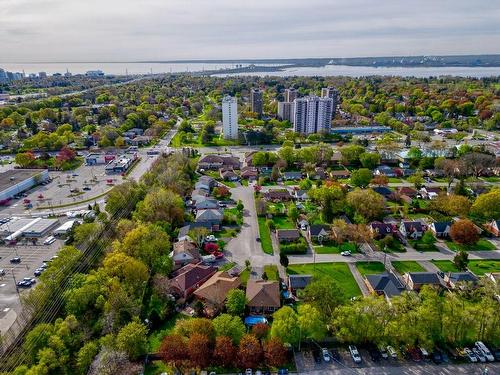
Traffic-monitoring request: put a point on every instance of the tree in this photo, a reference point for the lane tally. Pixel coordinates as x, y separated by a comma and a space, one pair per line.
260, 330
461, 260
417, 180
284, 260
325, 295
487, 205
235, 302
86, 355
199, 350
287, 153
250, 352
225, 351
25, 159
123, 196
464, 232
198, 234
274, 352
369, 159
230, 326
380, 180
310, 322
451, 205
351, 154
132, 339
189, 327
173, 350
285, 325
477, 162
293, 212
367, 203
261, 206
161, 205
361, 177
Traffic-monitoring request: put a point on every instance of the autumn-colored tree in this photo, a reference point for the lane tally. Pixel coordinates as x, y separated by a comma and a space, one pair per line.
173, 350
199, 350
260, 330
190, 327
451, 205
274, 352
225, 351
464, 232
249, 351
380, 180
222, 192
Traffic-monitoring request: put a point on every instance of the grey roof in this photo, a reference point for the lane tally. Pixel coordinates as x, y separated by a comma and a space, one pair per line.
299, 281
316, 229
456, 277
440, 226
386, 283
382, 190
209, 215
289, 234
424, 277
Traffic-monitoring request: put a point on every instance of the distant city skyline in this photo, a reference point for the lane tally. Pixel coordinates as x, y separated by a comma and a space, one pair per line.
125, 30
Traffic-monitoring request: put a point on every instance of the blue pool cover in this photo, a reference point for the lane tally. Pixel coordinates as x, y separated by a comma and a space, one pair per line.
253, 320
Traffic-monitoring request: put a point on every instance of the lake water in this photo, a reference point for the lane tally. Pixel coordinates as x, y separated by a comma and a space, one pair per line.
329, 70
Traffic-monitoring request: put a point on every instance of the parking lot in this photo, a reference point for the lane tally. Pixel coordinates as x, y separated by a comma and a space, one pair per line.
32, 257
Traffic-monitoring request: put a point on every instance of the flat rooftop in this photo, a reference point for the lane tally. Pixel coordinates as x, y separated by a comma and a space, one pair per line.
19, 175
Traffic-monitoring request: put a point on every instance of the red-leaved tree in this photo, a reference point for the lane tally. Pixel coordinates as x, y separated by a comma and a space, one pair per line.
274, 352
173, 350
199, 350
464, 232
250, 351
225, 351
260, 330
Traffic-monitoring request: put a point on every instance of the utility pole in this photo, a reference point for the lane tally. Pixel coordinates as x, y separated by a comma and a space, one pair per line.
15, 283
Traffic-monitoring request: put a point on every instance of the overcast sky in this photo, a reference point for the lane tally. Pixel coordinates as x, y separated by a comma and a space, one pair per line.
131, 30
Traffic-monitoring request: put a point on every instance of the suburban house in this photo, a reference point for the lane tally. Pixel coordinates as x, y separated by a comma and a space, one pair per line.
383, 191
249, 173
430, 192
205, 183
318, 174
415, 280
277, 195
228, 175
216, 162
263, 297
187, 279
205, 203
493, 227
296, 282
214, 291
380, 230
341, 173
319, 232
184, 252
210, 218
337, 158
384, 170
300, 195
287, 235
440, 229
453, 279
412, 229
141, 140
386, 284
292, 176
249, 157
408, 191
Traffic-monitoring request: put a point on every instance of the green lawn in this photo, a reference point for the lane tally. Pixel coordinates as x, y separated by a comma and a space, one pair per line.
283, 222
339, 272
368, 268
336, 249
480, 267
407, 266
422, 246
394, 180
481, 245
445, 265
397, 247
227, 266
271, 272
265, 236
244, 276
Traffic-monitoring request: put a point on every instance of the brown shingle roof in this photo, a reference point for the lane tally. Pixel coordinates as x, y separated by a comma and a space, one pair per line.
190, 275
261, 293
216, 288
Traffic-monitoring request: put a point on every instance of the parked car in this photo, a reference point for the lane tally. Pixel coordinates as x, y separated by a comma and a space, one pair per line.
30, 280
345, 253
2, 272
425, 353
383, 352
326, 355
15, 260
392, 353
437, 357
86, 188
479, 354
38, 272
356, 357
415, 354
211, 238
49, 240
469, 354
248, 371
23, 284
484, 349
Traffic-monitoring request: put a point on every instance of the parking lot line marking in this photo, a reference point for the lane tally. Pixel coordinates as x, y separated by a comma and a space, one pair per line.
2, 285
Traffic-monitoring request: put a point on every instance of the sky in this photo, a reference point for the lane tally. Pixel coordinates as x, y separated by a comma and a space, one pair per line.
138, 30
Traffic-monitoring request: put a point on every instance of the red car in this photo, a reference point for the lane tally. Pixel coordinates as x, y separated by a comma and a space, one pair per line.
218, 255
415, 354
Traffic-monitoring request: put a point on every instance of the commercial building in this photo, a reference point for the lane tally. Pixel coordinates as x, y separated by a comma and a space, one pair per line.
97, 159
312, 115
120, 165
285, 111
256, 101
26, 227
16, 181
64, 229
230, 117
361, 130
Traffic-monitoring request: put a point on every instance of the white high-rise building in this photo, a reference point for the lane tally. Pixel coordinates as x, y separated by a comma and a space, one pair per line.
285, 111
230, 117
313, 115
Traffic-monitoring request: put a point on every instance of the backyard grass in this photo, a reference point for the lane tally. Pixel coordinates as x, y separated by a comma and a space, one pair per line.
481, 245
244, 276
396, 247
339, 272
407, 266
368, 268
227, 266
420, 245
271, 272
265, 236
480, 267
445, 265
394, 180
335, 249
283, 222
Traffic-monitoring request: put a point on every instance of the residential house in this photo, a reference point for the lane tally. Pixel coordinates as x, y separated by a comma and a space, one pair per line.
319, 232
210, 218
383, 191
300, 195
384, 170
287, 235
412, 229
340, 174
337, 158
198, 195
408, 191
141, 140
249, 157
205, 203
292, 176
184, 252
187, 279
206, 183
215, 162
214, 291
493, 227
249, 173
228, 175
430, 192
380, 230
263, 297
415, 280
318, 174
386, 284
277, 195
493, 276
297, 282
440, 229
454, 279
265, 171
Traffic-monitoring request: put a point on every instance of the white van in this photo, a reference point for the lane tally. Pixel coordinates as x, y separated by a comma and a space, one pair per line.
49, 240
